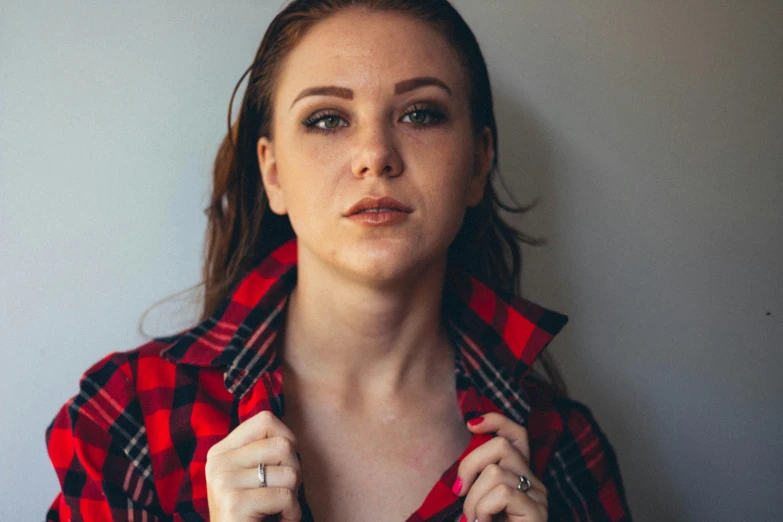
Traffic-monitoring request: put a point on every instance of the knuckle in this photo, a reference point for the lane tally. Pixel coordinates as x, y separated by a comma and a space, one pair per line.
211, 467
506, 491
499, 418
212, 452
220, 482
267, 416
232, 503
283, 444
296, 514
505, 444
285, 495
292, 476
494, 471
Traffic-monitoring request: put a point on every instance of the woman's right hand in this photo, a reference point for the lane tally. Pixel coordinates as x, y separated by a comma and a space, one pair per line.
233, 489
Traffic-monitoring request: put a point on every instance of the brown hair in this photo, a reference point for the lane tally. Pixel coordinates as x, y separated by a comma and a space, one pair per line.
242, 230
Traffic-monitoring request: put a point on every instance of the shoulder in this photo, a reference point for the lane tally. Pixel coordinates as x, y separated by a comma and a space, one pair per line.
98, 441
109, 385
558, 422
554, 411
106, 411
574, 457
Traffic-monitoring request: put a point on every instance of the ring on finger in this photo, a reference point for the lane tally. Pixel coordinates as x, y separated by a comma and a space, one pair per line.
524, 484
261, 476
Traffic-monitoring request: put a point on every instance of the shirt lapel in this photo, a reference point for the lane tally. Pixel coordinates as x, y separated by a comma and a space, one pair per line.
496, 335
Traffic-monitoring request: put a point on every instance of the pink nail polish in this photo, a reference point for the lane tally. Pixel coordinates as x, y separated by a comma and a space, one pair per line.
476, 421
457, 486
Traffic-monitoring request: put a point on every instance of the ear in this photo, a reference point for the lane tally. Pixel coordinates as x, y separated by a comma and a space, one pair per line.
483, 162
268, 167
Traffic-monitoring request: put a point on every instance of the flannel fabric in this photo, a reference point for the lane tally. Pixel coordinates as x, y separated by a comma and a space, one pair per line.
132, 444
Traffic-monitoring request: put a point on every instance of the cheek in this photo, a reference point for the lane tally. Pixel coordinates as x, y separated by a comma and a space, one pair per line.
311, 158
310, 181
445, 177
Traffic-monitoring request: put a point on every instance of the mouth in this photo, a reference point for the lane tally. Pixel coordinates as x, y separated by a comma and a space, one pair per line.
378, 217
376, 210
377, 205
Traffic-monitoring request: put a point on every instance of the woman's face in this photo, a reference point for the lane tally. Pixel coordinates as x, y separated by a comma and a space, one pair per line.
393, 121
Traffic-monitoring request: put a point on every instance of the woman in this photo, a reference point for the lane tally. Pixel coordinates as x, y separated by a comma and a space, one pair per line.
357, 266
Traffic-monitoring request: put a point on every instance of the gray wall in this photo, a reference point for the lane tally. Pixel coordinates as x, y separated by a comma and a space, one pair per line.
651, 130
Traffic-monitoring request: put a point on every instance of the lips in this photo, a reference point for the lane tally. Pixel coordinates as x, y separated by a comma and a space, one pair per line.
378, 204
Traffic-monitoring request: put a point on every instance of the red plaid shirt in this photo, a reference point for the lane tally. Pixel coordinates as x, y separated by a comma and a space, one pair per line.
132, 444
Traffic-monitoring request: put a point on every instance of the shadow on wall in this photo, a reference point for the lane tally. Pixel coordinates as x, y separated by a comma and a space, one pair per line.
529, 167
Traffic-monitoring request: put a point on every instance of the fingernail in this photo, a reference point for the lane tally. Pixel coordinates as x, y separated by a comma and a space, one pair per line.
457, 486
477, 420
464, 518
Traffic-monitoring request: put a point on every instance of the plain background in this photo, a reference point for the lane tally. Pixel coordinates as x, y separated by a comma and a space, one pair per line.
651, 130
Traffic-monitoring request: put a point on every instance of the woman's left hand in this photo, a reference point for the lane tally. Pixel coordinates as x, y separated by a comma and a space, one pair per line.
499, 464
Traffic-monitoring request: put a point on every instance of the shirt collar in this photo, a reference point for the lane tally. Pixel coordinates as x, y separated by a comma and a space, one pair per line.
498, 334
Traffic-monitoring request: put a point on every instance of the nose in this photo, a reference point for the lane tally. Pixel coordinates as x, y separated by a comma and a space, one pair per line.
376, 154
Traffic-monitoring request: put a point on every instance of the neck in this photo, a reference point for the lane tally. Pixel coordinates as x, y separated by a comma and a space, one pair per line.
360, 341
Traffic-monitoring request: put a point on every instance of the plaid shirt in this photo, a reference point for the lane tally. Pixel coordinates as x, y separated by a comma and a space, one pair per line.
132, 444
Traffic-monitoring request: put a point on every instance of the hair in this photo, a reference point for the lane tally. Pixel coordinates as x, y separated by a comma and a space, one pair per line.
242, 230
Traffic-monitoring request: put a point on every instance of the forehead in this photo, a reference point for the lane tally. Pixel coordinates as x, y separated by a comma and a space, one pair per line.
368, 52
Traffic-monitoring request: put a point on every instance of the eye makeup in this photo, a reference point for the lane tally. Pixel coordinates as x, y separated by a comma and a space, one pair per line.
421, 115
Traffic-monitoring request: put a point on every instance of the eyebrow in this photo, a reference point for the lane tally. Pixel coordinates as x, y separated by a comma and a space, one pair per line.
399, 88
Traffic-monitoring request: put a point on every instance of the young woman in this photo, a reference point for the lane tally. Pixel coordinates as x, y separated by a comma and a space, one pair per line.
356, 266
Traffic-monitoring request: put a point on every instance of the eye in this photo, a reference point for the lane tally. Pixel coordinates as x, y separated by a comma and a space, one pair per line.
330, 122
324, 122
421, 115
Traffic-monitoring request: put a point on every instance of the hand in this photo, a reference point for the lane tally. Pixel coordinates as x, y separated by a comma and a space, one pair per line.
499, 463
233, 490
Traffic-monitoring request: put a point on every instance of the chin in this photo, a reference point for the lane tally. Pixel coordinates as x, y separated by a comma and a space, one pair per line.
379, 260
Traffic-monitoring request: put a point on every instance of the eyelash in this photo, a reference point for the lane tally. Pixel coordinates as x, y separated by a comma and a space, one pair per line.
436, 117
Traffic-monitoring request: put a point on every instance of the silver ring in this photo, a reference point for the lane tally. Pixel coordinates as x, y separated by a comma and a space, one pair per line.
261, 476
523, 481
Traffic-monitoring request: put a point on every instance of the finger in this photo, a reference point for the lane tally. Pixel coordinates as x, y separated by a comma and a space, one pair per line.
496, 423
275, 477
511, 502
274, 451
489, 479
260, 426
249, 504
498, 451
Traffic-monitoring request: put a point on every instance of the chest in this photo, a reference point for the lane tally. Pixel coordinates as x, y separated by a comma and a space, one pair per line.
381, 468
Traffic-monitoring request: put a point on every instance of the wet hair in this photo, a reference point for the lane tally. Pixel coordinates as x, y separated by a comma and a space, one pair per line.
242, 230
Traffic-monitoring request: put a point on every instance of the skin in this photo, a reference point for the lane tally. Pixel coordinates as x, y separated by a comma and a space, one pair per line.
365, 312
489, 475
363, 323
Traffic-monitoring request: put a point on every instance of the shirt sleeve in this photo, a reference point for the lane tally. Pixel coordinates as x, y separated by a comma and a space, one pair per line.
583, 476
98, 447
